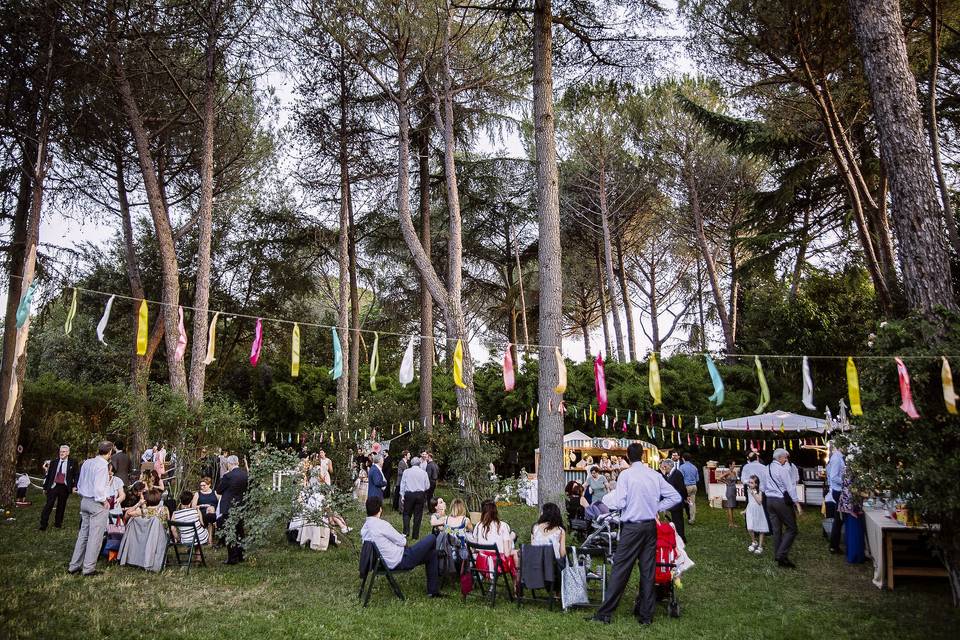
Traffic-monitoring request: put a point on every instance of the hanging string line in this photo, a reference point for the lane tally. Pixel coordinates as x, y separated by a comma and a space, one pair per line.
527, 347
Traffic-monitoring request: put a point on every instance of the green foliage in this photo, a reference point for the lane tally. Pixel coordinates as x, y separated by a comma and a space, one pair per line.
264, 510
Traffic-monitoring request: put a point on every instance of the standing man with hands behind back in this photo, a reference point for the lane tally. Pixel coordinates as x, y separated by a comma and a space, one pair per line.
640, 495
94, 489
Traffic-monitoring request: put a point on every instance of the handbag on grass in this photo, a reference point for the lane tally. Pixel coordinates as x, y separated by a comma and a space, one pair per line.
573, 582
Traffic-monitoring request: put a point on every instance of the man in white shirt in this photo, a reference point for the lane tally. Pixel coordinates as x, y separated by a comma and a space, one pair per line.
392, 546
782, 499
94, 489
413, 487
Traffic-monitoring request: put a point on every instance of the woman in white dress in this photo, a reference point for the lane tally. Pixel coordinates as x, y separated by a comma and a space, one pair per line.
491, 531
326, 467
549, 531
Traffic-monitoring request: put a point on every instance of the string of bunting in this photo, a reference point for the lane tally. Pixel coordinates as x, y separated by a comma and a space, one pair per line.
406, 369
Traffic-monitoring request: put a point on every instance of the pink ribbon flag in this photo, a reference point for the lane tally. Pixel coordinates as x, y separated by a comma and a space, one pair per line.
257, 343
509, 380
600, 382
906, 398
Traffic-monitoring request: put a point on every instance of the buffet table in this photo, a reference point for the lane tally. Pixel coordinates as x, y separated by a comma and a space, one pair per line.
891, 545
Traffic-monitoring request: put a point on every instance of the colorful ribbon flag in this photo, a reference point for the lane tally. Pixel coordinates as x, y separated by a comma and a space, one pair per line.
212, 340
23, 311
764, 389
509, 380
600, 384
718, 391
406, 365
257, 342
102, 325
182, 340
906, 397
143, 330
807, 386
458, 365
374, 361
561, 387
295, 351
949, 395
853, 388
71, 314
654, 380
337, 370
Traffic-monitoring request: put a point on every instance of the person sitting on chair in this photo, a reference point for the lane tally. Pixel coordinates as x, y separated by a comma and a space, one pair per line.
151, 506
392, 546
188, 512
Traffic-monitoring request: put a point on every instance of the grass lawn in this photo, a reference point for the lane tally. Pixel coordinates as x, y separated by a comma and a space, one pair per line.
284, 591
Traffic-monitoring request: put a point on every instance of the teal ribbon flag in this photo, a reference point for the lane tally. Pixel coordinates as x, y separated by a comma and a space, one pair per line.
717, 396
337, 370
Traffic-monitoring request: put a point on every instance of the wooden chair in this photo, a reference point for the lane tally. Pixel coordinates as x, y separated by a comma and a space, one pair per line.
375, 566
486, 580
192, 551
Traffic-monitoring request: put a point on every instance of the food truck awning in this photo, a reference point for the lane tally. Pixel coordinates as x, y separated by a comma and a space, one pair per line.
773, 421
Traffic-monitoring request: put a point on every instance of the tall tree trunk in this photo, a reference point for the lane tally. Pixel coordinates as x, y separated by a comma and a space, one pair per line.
801, 259
603, 301
585, 331
354, 305
933, 127
732, 313
701, 312
170, 280
343, 258
707, 255
201, 296
654, 304
631, 345
426, 300
513, 313
523, 298
916, 214
550, 473
608, 263
13, 405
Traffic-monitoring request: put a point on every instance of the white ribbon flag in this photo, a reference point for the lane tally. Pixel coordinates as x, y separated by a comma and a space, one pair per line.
807, 386
104, 320
406, 366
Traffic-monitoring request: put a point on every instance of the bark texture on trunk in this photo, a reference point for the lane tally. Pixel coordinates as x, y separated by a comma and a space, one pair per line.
343, 259
916, 212
631, 345
550, 473
426, 300
604, 321
618, 353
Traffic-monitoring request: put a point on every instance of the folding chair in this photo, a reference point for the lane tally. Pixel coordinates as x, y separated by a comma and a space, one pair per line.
551, 590
371, 566
496, 568
192, 550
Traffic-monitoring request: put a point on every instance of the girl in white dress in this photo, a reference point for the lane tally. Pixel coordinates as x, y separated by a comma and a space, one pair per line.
756, 518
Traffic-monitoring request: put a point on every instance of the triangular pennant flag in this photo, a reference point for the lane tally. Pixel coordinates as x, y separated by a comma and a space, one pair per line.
181, 338
946, 379
853, 388
509, 380
212, 340
718, 390
406, 365
654, 380
337, 369
906, 397
764, 389
458, 365
807, 386
104, 319
257, 342
374, 361
71, 314
295, 351
143, 333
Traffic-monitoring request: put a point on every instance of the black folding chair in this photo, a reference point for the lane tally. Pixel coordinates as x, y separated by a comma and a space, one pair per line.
181, 530
486, 580
551, 590
375, 566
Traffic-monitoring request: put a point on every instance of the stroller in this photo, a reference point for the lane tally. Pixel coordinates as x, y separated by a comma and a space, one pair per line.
666, 572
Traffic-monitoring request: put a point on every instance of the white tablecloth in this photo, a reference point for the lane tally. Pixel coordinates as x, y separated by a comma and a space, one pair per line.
876, 521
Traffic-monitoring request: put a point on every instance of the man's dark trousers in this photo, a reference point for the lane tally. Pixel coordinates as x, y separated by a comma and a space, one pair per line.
676, 517
837, 527
425, 553
413, 505
57, 494
638, 542
783, 517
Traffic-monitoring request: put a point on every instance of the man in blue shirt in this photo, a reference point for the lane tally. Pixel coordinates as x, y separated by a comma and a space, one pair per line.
691, 476
835, 469
641, 493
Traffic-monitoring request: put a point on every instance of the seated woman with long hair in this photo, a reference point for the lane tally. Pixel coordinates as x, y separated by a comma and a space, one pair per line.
549, 531
491, 531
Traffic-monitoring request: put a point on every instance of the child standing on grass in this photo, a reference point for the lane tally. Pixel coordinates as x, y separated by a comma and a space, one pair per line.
756, 520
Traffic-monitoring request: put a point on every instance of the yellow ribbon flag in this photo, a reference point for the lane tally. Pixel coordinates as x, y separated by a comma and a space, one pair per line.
71, 314
949, 395
458, 365
561, 387
375, 362
212, 340
654, 377
853, 388
295, 352
142, 330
